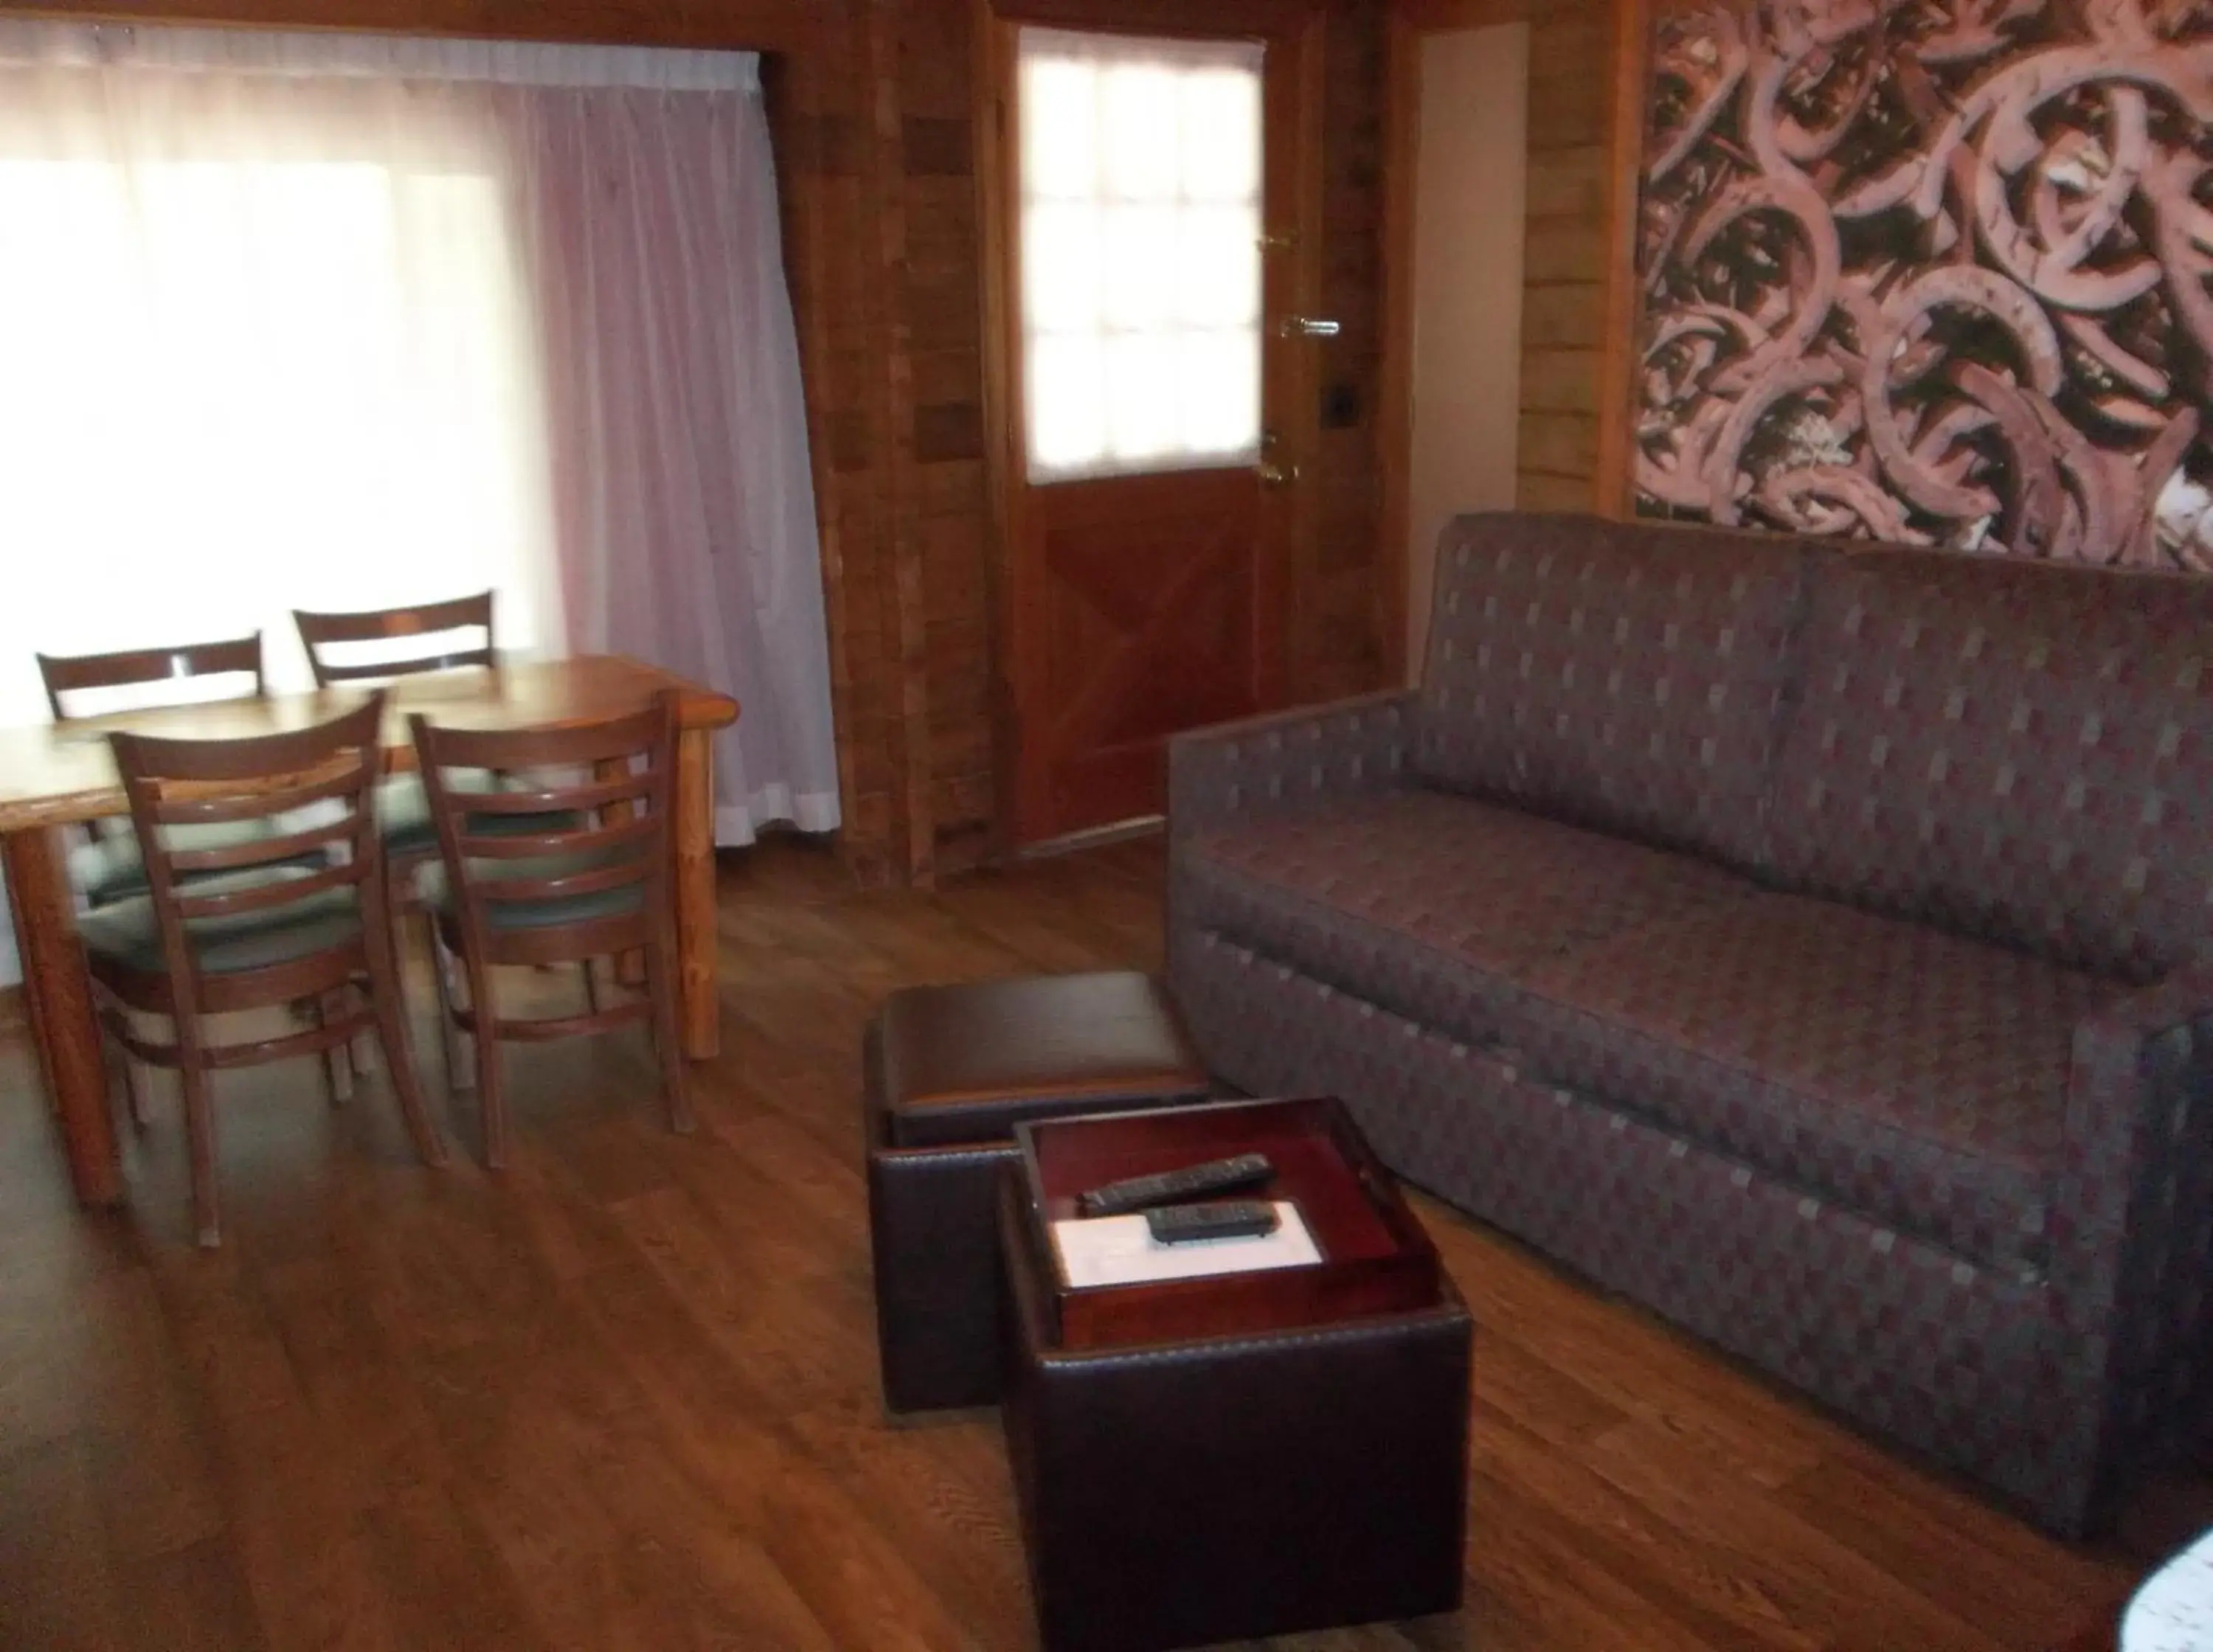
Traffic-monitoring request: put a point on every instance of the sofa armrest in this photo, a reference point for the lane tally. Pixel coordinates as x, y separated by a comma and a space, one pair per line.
2129, 1241
2138, 1064
1344, 749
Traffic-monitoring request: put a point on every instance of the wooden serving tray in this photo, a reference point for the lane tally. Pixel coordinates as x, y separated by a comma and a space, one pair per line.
1376, 1258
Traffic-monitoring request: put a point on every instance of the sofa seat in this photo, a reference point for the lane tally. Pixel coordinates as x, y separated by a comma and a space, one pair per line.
1884, 1066
1429, 904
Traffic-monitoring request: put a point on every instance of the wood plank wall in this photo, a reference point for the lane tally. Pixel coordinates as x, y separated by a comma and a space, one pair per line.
1350, 608
1565, 294
870, 100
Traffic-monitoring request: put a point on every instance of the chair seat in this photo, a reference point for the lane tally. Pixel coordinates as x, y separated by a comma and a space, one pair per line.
509, 917
125, 935
111, 868
1916, 1076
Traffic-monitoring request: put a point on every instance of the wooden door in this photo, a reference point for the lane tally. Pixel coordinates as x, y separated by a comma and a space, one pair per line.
1147, 534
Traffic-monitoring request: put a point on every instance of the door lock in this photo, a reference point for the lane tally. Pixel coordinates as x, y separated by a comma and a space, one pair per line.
1275, 475
1309, 326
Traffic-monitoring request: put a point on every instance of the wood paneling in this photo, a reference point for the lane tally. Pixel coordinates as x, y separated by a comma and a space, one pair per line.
1585, 102
1344, 617
872, 103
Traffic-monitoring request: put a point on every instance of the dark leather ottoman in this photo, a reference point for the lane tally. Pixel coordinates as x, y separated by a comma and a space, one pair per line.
948, 1073
1227, 1488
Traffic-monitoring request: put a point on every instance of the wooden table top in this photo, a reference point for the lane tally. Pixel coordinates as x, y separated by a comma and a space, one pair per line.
57, 774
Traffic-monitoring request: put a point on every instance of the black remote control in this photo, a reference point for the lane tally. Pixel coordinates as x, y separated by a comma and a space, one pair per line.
1183, 1224
1172, 1186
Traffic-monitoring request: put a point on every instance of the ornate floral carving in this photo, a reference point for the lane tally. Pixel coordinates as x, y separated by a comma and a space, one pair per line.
1933, 270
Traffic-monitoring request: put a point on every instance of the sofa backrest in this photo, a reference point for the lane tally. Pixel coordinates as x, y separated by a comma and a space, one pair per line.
1621, 675
2010, 749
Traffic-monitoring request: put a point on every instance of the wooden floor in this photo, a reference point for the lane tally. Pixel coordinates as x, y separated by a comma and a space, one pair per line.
624, 1395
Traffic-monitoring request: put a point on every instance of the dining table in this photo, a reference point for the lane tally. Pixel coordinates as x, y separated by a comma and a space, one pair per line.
57, 777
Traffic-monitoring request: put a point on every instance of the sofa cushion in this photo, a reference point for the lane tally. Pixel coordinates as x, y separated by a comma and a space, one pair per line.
1622, 676
1912, 1075
1427, 903
2016, 752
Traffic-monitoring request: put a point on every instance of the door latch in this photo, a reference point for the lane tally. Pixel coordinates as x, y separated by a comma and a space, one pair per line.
1309, 326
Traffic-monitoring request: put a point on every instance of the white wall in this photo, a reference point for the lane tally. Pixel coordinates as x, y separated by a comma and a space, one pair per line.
1471, 173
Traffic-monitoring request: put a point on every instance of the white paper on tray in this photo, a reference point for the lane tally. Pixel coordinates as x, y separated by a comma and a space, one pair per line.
1121, 1251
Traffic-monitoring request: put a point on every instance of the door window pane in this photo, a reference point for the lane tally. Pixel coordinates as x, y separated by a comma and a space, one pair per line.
1141, 253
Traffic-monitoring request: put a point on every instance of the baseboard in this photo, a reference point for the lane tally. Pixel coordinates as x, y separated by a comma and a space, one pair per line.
1144, 826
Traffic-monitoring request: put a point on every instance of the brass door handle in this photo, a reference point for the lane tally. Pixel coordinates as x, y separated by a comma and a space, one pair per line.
1276, 476
1310, 326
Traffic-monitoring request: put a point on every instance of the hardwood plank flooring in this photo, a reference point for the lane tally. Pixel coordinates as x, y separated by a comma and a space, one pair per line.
624, 1395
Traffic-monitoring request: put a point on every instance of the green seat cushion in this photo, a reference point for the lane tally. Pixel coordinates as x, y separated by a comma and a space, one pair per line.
125, 934
506, 916
403, 812
111, 868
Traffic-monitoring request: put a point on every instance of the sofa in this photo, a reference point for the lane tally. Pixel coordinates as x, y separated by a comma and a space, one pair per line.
1814, 945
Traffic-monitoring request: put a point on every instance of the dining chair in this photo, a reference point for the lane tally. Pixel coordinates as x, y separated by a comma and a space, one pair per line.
599, 883
106, 866
459, 632
327, 636
294, 914
109, 868
410, 842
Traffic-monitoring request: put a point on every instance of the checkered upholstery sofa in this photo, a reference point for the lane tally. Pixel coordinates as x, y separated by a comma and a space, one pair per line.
1816, 946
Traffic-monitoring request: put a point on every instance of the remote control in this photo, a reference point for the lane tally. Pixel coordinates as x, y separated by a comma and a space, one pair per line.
1183, 1224
1171, 1187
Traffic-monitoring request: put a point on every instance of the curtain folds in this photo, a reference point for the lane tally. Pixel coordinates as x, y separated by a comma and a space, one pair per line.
319, 320
677, 423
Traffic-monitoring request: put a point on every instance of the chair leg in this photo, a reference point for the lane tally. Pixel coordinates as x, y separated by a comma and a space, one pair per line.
199, 1126
668, 1036
388, 1003
338, 1060
591, 986
491, 1099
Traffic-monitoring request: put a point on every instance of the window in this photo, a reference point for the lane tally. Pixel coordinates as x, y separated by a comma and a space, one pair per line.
1141, 200
255, 362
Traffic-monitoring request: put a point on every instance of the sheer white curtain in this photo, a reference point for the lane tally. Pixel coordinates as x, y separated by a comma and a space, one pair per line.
320, 320
1141, 182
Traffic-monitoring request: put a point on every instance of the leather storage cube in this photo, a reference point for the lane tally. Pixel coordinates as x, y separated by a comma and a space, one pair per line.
948, 1072
1183, 1493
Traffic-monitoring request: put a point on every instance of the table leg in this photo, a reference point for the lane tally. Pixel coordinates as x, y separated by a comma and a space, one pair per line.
59, 1001
695, 891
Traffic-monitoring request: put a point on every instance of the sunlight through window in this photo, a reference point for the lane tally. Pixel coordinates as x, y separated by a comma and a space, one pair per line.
234, 387
1141, 182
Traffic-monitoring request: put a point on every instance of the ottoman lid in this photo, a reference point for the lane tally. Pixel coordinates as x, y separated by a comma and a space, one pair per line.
966, 1063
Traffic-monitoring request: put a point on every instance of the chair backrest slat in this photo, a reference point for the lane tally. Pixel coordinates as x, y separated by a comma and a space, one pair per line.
324, 838
597, 840
592, 880
621, 833
192, 901
526, 799
65, 674
211, 803
552, 746
320, 632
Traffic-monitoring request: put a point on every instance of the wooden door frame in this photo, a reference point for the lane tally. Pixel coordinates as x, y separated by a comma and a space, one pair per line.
1295, 33
1408, 21
1630, 53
